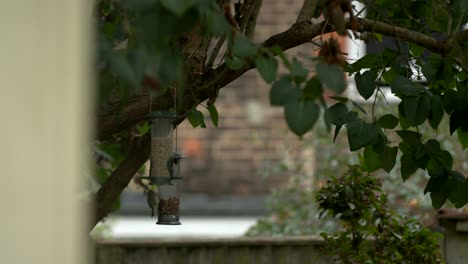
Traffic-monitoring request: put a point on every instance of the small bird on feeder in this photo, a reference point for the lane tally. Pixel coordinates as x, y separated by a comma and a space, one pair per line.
151, 200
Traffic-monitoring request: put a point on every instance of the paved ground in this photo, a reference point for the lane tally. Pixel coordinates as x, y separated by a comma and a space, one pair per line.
210, 227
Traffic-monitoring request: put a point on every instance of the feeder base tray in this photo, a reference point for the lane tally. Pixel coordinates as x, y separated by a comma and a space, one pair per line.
168, 220
168, 223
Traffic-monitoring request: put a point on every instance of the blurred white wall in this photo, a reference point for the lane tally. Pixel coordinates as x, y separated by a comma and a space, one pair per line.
45, 110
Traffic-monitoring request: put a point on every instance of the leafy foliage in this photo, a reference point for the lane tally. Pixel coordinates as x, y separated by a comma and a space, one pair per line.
140, 51
358, 201
140, 41
292, 209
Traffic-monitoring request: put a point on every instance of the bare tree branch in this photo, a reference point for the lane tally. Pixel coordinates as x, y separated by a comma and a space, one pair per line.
307, 10
246, 10
215, 51
252, 22
366, 25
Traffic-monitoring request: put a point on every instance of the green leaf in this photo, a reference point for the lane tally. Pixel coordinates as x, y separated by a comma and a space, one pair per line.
432, 147
416, 50
332, 76
463, 137
446, 159
452, 101
368, 61
178, 7
388, 158
337, 131
301, 116
169, 69
216, 24
142, 128
459, 195
123, 69
361, 134
339, 99
428, 71
435, 168
298, 72
283, 92
192, 118
132, 4
365, 83
402, 86
371, 159
389, 75
417, 108
213, 114
267, 67
313, 88
408, 166
433, 183
196, 118
404, 123
437, 111
339, 115
440, 194
102, 175
243, 48
279, 52
388, 121
411, 137
458, 119
234, 63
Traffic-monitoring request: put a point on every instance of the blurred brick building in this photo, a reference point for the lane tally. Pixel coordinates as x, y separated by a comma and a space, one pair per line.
231, 169
241, 160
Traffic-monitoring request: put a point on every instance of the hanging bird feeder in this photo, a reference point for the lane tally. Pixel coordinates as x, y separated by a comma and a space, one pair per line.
165, 167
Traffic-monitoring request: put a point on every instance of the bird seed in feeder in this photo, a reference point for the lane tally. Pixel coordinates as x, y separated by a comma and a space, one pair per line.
169, 206
161, 151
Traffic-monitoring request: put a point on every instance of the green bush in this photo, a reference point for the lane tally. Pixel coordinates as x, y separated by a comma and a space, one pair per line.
291, 209
372, 232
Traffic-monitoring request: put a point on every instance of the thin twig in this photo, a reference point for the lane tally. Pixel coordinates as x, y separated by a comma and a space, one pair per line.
307, 10
247, 9
252, 21
215, 52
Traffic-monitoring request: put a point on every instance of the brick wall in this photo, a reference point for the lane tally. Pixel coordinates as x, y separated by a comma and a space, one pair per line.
245, 153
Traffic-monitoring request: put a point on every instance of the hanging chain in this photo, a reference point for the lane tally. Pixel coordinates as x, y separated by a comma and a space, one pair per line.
175, 106
150, 100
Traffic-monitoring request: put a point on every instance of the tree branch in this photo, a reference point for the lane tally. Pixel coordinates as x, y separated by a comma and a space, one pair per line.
121, 176
214, 53
461, 36
366, 25
115, 117
252, 22
307, 10
246, 11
